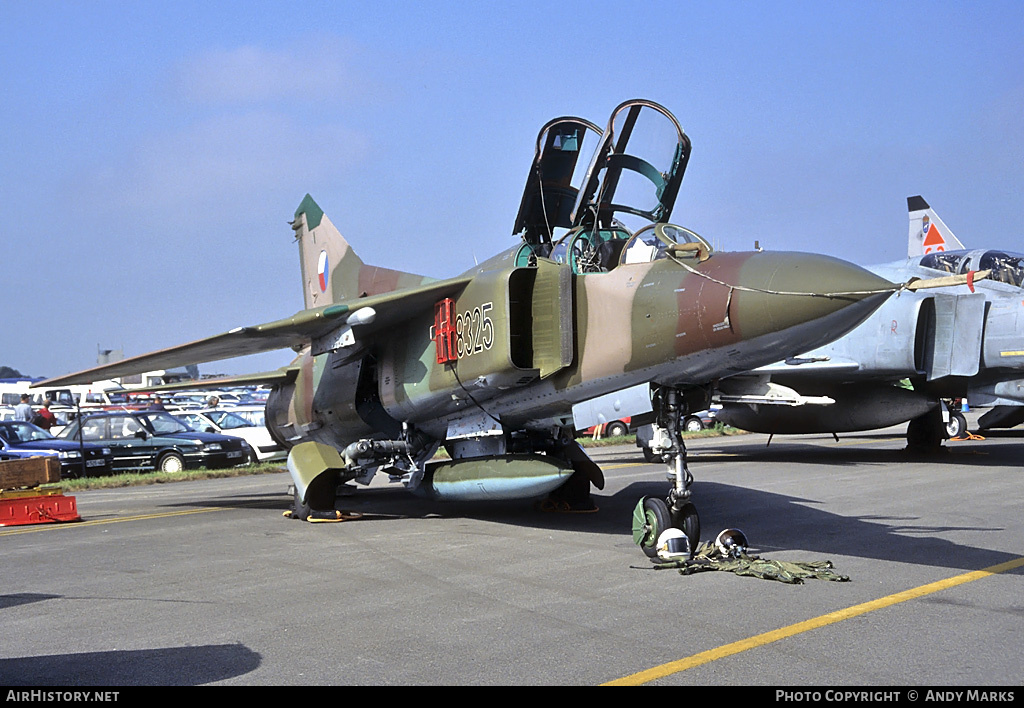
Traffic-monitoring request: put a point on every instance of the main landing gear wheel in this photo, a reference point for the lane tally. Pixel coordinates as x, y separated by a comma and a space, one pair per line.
650, 518
319, 505
320, 498
957, 425
926, 433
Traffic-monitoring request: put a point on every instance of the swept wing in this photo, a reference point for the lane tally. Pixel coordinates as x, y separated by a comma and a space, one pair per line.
318, 326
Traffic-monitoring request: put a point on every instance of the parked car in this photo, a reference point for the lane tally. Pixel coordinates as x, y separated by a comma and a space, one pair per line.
228, 422
147, 440
691, 423
19, 439
701, 419
255, 413
611, 429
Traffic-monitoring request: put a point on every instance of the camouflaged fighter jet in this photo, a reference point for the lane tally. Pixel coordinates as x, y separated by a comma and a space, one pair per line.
603, 308
951, 342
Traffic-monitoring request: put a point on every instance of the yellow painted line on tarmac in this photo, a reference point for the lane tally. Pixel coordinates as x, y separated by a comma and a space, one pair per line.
15, 530
760, 640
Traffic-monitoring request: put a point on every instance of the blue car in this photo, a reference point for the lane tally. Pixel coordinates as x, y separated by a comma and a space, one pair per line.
19, 439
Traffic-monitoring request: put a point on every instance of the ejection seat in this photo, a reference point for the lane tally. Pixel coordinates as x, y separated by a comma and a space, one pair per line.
591, 251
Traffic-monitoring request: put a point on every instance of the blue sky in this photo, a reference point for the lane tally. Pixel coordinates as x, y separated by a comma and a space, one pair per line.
153, 153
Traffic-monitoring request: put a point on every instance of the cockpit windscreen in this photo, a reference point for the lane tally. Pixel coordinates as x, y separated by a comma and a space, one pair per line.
947, 262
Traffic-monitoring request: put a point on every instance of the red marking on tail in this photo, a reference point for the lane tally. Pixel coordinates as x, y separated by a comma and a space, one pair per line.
933, 240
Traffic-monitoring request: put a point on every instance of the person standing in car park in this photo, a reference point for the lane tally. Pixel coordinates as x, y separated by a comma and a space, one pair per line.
212, 402
23, 411
44, 417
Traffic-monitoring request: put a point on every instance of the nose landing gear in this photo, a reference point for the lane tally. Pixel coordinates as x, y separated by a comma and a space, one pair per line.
652, 516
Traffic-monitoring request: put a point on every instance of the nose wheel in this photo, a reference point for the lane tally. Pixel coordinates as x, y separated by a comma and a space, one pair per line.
652, 517
686, 520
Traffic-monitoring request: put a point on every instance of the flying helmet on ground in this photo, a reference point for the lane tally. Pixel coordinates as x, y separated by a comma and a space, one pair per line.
731, 542
673, 544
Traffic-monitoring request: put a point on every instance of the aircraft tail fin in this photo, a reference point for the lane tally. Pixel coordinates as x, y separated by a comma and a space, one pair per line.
927, 232
331, 270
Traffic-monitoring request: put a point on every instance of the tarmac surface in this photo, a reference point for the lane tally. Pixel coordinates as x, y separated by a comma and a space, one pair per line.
206, 583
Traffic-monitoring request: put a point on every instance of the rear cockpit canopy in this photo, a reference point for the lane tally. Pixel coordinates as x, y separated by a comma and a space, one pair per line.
1005, 267
588, 219
635, 173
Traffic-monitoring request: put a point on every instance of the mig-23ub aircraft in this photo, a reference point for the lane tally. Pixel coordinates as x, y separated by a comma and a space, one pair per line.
601, 306
950, 342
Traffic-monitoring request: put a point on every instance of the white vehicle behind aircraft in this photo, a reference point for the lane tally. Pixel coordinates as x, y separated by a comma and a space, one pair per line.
947, 343
227, 422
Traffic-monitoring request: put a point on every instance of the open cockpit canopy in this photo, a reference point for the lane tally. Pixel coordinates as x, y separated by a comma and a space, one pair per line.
635, 168
555, 178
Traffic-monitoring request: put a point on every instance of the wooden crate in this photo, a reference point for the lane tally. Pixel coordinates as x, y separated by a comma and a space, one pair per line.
29, 472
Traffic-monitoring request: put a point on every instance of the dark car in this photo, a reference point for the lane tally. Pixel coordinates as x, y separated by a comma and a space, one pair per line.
19, 439
148, 440
701, 419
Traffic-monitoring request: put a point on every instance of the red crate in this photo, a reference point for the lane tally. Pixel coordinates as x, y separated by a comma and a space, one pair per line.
48, 509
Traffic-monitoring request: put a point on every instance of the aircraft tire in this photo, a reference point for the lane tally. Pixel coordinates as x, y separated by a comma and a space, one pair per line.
687, 521
322, 493
957, 425
649, 455
658, 519
300, 511
925, 433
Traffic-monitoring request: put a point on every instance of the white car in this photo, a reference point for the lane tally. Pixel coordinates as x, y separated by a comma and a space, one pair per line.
227, 422
256, 414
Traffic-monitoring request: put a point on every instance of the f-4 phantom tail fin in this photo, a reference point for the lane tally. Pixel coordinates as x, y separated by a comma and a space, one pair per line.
331, 270
927, 232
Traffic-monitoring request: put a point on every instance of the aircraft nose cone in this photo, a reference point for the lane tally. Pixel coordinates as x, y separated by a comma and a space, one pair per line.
813, 299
